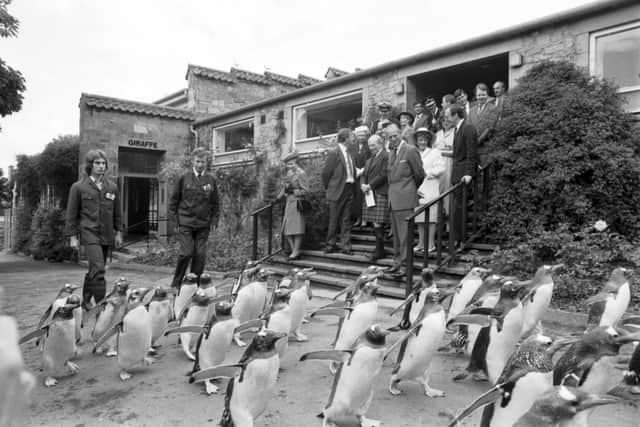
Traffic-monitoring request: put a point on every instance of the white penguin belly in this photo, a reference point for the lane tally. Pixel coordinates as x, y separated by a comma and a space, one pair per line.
250, 302
355, 384
159, 312
135, 338
502, 343
527, 390
104, 321
280, 321
534, 310
59, 346
603, 376
298, 301
615, 306
186, 292
421, 348
354, 325
462, 298
213, 350
416, 307
250, 396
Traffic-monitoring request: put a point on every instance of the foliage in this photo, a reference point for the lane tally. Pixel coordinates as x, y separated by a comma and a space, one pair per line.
316, 221
47, 234
58, 164
588, 256
565, 153
5, 191
22, 228
12, 84
28, 179
237, 187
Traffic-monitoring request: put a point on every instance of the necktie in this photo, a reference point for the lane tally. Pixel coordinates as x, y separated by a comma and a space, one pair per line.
349, 166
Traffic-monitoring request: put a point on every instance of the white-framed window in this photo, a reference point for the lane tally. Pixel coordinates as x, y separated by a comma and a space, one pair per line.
323, 118
235, 136
614, 54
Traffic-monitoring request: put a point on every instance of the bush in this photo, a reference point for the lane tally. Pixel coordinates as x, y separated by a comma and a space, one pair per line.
47, 235
317, 220
22, 229
565, 153
58, 165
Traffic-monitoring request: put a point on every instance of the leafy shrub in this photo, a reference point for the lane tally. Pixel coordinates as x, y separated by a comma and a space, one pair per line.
58, 165
47, 234
317, 220
22, 229
565, 153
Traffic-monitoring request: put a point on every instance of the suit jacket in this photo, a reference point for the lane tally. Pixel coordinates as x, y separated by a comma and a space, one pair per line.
334, 173
360, 154
374, 125
484, 121
465, 152
375, 173
424, 121
405, 174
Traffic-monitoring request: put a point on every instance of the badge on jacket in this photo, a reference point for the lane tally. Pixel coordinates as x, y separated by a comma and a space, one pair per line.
110, 196
206, 187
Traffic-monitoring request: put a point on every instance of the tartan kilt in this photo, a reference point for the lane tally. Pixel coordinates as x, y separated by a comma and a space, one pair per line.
378, 213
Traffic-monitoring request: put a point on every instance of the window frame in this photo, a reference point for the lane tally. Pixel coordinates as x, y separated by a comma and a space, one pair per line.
295, 108
217, 129
594, 36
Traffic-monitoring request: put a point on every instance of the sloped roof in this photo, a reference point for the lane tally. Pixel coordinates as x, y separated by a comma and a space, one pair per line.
250, 76
268, 78
308, 80
108, 103
333, 73
211, 73
285, 79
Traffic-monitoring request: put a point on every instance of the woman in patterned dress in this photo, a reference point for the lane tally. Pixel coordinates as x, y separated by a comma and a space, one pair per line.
294, 187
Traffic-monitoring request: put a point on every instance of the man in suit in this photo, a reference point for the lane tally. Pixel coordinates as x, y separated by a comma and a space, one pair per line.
422, 118
500, 93
405, 174
434, 112
465, 162
483, 116
462, 100
360, 153
338, 178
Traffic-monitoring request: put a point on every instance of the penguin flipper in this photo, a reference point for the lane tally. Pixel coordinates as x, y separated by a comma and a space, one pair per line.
338, 356
225, 371
34, 334
482, 320
340, 312
485, 399
404, 303
335, 304
45, 316
185, 329
344, 291
115, 328
414, 329
246, 326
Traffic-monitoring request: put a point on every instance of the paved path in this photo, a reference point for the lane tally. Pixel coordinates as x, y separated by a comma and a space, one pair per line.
160, 396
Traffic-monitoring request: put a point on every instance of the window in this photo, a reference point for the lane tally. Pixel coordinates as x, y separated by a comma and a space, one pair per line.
325, 117
233, 137
615, 55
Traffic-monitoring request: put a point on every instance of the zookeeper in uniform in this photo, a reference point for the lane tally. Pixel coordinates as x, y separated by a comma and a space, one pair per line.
94, 213
196, 208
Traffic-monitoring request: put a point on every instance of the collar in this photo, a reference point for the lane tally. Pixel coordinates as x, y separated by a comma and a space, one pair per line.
195, 172
459, 125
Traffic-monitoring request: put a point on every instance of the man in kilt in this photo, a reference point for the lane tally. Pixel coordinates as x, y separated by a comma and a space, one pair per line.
374, 179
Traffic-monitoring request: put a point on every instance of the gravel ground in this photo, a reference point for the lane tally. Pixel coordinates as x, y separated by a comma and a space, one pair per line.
160, 395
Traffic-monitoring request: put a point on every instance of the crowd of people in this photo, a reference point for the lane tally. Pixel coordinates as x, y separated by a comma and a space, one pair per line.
380, 174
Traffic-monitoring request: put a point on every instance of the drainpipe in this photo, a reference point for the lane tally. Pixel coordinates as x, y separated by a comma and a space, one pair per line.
195, 134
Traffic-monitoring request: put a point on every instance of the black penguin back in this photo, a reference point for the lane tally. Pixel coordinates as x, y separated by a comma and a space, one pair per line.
478, 360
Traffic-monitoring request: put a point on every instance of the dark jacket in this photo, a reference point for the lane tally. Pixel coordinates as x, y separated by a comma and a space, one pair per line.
465, 152
92, 213
375, 173
360, 153
195, 201
334, 173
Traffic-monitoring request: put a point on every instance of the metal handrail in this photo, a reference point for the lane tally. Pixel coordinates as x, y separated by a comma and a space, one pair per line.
256, 228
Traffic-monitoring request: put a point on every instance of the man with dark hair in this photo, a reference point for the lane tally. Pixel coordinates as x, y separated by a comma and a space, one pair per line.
93, 212
500, 93
465, 162
422, 117
405, 174
195, 206
339, 179
483, 116
462, 100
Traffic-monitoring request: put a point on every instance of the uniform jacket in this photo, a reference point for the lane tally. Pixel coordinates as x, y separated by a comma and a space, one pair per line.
465, 156
405, 174
375, 173
334, 173
195, 201
94, 214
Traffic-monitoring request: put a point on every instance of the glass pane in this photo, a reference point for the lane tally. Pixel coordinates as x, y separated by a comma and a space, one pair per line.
325, 118
133, 160
618, 57
233, 138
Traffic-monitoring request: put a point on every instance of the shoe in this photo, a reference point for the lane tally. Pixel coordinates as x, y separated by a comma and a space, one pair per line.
294, 257
418, 249
357, 224
330, 249
432, 249
346, 251
399, 273
393, 269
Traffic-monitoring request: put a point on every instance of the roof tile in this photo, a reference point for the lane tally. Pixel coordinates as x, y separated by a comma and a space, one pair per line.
279, 78
107, 103
210, 73
249, 76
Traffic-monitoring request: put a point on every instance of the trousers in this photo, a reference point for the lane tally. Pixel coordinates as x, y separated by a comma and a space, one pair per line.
95, 284
192, 247
399, 227
340, 211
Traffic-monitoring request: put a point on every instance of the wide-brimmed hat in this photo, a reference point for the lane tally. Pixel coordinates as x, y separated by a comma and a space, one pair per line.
405, 113
291, 156
424, 131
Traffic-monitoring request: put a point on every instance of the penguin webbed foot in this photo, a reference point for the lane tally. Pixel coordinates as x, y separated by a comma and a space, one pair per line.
50, 382
300, 337
73, 368
393, 389
124, 375
148, 361
111, 352
239, 341
433, 393
210, 387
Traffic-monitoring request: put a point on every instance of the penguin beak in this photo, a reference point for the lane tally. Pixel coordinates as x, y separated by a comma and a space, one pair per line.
626, 337
593, 400
556, 267
484, 271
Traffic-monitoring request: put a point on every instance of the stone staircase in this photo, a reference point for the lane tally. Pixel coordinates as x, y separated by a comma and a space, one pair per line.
337, 270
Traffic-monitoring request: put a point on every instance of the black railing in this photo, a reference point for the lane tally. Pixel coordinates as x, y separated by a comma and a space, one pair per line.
256, 215
480, 196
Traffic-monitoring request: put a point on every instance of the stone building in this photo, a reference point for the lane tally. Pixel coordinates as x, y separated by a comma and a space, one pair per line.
239, 113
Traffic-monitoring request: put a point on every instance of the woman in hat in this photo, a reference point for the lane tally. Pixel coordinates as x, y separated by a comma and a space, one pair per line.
406, 129
433, 165
294, 188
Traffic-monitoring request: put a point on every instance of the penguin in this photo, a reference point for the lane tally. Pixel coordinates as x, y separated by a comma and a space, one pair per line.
253, 380
607, 306
501, 328
465, 291
188, 287
160, 311
590, 364
419, 345
299, 302
60, 300
110, 311
59, 343
195, 313
537, 298
17, 382
527, 375
413, 301
278, 318
134, 333
357, 318
629, 388
352, 390
215, 339
250, 300
206, 284
560, 405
